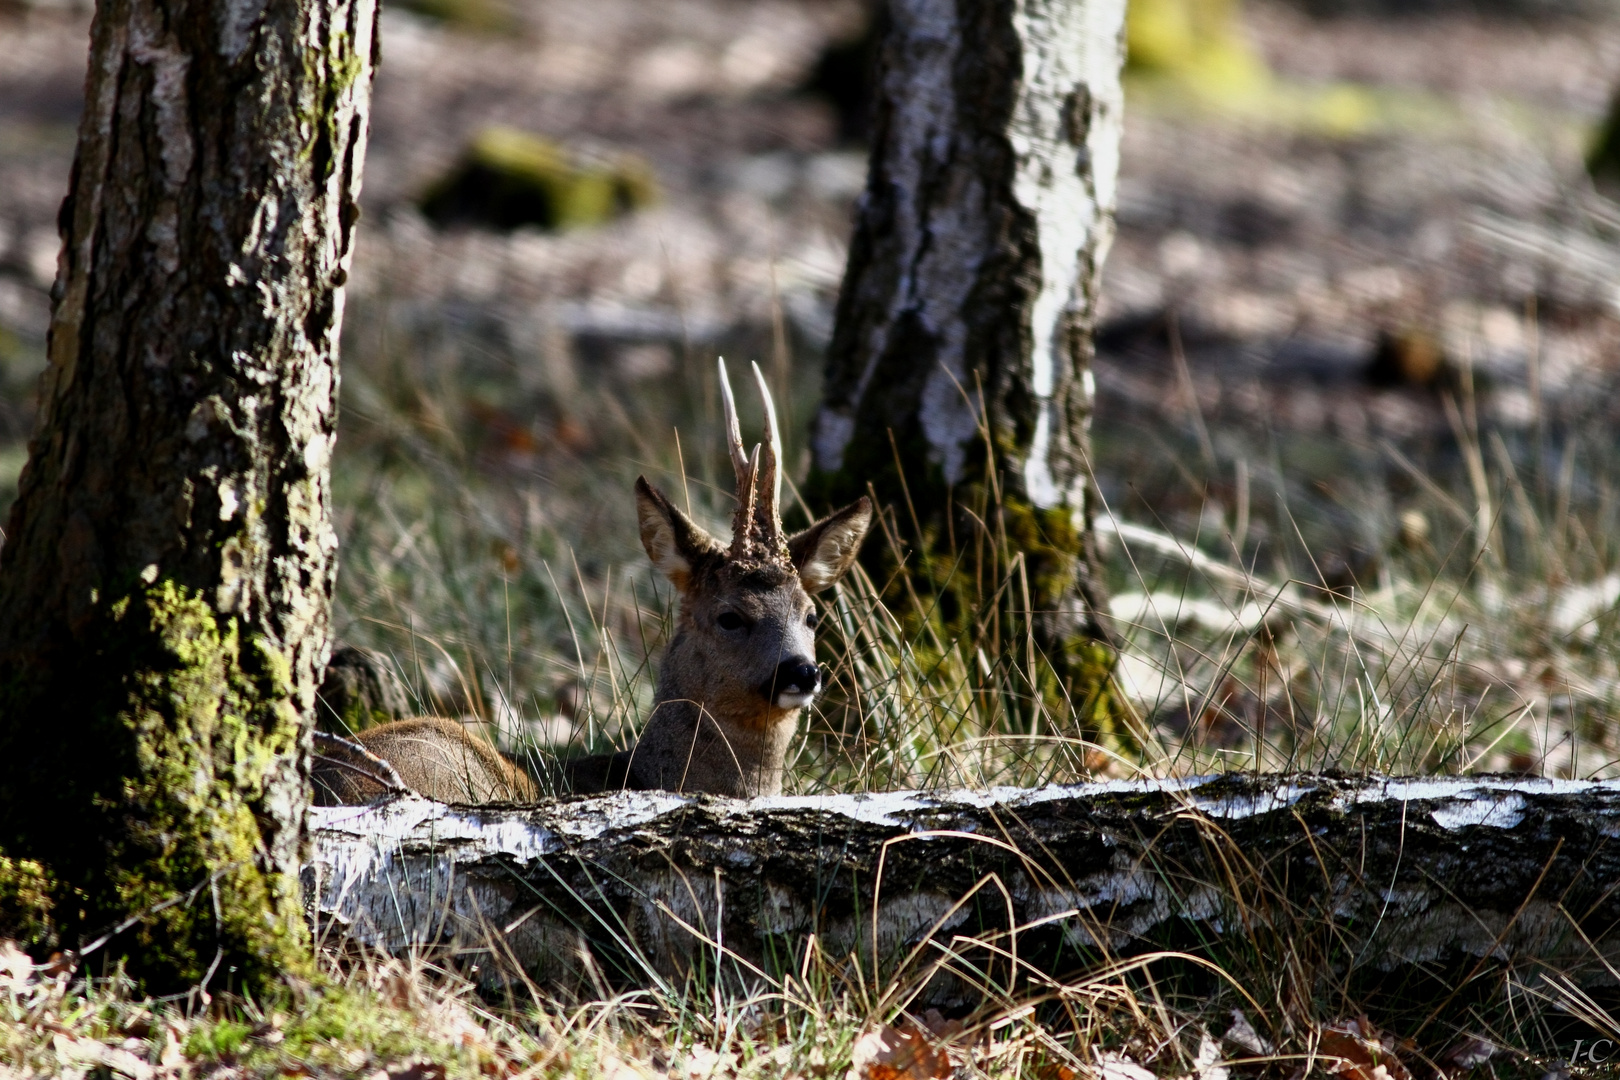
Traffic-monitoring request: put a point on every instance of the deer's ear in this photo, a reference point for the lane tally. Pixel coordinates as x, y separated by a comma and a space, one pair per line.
825, 551
674, 543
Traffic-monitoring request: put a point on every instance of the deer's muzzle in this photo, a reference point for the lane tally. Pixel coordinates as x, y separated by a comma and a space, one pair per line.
795, 683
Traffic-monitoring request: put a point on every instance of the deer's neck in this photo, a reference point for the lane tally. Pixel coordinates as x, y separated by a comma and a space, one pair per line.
696, 741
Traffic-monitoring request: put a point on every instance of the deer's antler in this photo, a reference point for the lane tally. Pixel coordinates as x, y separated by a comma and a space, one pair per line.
756, 531
734, 443
768, 512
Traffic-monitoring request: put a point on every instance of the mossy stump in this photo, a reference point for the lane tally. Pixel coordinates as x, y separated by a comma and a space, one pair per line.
509, 179
360, 689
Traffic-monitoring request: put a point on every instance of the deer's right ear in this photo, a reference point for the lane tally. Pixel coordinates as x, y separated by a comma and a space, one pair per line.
673, 542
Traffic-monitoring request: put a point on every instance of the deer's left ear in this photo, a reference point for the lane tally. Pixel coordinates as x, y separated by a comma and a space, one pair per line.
826, 550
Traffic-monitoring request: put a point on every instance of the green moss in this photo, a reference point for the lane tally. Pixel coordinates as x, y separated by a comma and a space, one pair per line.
509, 178
209, 731
486, 16
150, 800
1198, 42
220, 1039
25, 902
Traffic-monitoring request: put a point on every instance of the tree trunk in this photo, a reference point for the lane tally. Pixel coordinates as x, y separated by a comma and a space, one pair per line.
1603, 160
166, 579
958, 380
1350, 879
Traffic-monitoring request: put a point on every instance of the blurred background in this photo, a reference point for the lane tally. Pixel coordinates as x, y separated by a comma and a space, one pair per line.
1357, 362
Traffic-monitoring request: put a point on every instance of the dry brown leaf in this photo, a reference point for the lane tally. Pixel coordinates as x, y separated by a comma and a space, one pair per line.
1360, 1052
61, 963
908, 1051
704, 1063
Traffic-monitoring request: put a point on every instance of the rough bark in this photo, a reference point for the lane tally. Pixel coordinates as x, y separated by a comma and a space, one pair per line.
958, 380
1360, 877
166, 577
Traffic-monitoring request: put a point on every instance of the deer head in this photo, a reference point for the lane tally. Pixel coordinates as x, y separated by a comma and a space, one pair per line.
742, 661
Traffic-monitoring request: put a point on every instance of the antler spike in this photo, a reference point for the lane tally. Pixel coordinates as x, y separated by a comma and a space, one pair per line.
734, 443
740, 525
770, 500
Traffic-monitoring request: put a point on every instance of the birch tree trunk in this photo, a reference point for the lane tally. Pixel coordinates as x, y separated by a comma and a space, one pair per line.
958, 380
1370, 882
166, 577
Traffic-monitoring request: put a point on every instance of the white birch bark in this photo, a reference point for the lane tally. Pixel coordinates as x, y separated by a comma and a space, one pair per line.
1444, 873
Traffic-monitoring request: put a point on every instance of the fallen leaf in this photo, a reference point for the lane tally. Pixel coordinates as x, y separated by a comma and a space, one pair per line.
1208, 1061
1361, 1053
703, 1063
1472, 1050
910, 1051
1116, 1066
16, 968
1243, 1034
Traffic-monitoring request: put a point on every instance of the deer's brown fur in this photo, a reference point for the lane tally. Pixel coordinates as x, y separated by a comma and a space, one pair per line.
734, 678
435, 757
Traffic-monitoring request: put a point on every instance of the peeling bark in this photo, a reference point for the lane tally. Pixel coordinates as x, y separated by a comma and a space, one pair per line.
1369, 875
166, 577
970, 296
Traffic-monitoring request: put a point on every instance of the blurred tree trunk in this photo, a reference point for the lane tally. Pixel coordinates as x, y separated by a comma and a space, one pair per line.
1603, 162
958, 380
166, 578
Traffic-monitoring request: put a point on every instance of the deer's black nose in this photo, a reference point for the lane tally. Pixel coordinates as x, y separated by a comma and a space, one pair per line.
795, 683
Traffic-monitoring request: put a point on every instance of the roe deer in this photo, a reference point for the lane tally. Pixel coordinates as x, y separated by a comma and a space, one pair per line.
742, 662
735, 675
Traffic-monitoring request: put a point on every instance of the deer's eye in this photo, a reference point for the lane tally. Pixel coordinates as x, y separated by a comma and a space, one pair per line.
729, 620
811, 620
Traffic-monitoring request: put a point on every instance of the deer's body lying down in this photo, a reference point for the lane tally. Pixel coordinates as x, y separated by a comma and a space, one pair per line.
432, 756
734, 678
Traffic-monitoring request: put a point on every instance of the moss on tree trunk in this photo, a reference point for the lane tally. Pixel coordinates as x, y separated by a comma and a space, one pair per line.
958, 380
166, 579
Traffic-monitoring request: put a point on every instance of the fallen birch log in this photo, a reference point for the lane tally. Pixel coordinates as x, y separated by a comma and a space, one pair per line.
1006, 885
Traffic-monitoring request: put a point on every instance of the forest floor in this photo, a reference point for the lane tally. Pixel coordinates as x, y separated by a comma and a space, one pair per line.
1357, 375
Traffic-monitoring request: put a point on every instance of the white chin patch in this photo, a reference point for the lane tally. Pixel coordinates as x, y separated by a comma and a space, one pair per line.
793, 700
